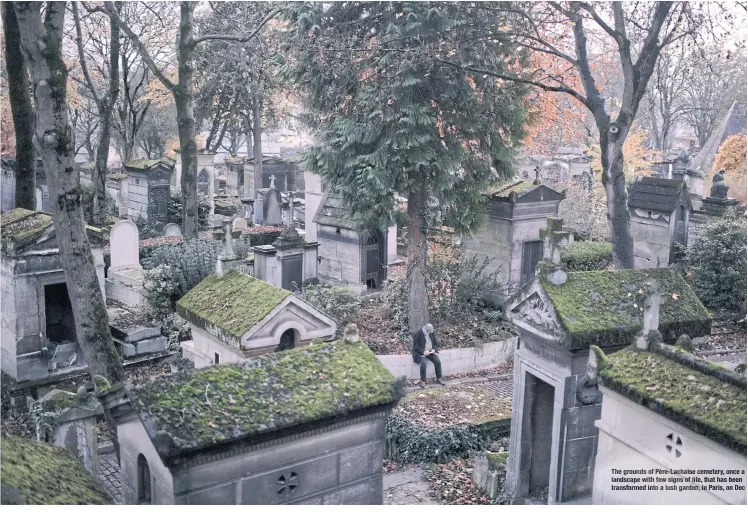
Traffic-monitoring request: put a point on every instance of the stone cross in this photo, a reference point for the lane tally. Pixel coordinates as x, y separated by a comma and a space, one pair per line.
289, 218
537, 175
553, 239
272, 181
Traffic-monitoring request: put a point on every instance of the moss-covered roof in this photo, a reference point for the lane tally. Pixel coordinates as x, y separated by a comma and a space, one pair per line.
600, 307
143, 164
703, 400
515, 186
235, 159
233, 303
201, 408
35, 473
21, 227
333, 212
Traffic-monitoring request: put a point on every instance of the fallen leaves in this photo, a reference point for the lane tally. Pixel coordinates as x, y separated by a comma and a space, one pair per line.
452, 484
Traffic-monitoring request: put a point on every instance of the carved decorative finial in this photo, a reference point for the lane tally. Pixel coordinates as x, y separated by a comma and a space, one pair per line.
350, 334
537, 175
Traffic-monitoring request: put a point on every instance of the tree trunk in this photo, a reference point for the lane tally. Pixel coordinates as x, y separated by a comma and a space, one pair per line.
22, 111
186, 123
42, 46
418, 310
615, 190
257, 145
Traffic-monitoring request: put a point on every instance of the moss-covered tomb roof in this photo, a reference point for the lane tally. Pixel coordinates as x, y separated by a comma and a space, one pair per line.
233, 303
35, 473
519, 187
603, 307
201, 408
21, 227
701, 398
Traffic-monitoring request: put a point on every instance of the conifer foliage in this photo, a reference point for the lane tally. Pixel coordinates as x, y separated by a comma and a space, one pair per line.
389, 119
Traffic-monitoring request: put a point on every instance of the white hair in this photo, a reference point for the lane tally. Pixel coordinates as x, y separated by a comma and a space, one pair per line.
428, 328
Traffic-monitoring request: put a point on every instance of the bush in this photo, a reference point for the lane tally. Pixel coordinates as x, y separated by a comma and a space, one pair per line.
6, 384
408, 442
175, 209
716, 264
87, 197
175, 329
161, 287
587, 256
191, 261
337, 302
148, 228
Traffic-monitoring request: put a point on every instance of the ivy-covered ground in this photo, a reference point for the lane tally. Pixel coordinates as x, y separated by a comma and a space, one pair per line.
448, 406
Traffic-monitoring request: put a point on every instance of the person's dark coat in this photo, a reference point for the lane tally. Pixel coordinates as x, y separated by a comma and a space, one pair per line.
419, 346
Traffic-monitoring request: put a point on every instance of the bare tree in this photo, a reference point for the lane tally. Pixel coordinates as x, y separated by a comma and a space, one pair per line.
21, 109
638, 33
104, 102
85, 122
41, 41
183, 93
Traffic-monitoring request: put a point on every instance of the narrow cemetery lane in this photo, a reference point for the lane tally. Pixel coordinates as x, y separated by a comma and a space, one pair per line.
406, 487
109, 475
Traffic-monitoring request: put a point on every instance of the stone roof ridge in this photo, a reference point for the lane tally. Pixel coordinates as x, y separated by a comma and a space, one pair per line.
700, 365
656, 194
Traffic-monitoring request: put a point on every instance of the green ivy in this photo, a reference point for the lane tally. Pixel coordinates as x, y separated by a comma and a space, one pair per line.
337, 302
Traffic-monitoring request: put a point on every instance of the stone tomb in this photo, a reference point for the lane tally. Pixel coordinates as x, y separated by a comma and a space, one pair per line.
558, 315
660, 213
124, 282
39, 337
510, 241
172, 229
349, 255
290, 261
252, 437
663, 408
148, 189
234, 316
267, 205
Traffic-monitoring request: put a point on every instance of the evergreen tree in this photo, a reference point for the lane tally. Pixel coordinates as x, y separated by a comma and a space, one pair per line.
389, 118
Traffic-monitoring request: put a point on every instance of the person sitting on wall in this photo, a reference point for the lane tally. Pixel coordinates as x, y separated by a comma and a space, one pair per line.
425, 347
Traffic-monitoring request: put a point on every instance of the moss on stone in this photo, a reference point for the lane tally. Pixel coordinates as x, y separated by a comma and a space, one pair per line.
101, 384
35, 473
497, 460
63, 400
204, 407
232, 303
701, 402
520, 187
21, 227
143, 164
603, 308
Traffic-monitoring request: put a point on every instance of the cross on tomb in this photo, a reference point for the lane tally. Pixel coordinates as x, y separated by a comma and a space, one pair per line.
289, 217
272, 181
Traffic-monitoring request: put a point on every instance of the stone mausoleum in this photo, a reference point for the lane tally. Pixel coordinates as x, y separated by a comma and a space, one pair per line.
236, 316
558, 316
665, 409
305, 426
660, 212
510, 240
38, 328
148, 189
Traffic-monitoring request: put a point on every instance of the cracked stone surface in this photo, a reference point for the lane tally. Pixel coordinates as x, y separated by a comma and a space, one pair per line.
407, 488
109, 475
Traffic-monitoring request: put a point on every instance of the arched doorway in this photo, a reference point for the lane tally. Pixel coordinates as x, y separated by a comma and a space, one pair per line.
287, 340
373, 260
203, 182
144, 480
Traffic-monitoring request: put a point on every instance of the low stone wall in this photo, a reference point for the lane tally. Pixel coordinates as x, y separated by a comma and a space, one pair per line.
454, 361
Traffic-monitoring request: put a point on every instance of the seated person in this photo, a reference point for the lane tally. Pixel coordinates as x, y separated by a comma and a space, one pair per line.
425, 347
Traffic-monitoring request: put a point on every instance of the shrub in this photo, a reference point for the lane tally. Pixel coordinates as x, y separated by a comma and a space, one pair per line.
161, 287
716, 264
191, 260
588, 256
175, 209
148, 228
337, 302
6, 384
87, 196
408, 442
175, 329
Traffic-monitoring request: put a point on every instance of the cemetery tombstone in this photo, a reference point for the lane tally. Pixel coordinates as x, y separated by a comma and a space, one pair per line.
172, 229
124, 246
239, 223
271, 205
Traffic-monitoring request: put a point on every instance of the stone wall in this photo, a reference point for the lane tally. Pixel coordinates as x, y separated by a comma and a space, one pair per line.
454, 361
652, 238
7, 320
492, 242
633, 437
341, 258
137, 197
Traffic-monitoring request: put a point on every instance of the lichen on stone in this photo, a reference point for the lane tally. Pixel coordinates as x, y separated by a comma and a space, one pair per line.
497, 460
200, 408
232, 303
35, 473
602, 307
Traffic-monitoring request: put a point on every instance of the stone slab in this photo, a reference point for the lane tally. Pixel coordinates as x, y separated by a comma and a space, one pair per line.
135, 334
126, 349
157, 344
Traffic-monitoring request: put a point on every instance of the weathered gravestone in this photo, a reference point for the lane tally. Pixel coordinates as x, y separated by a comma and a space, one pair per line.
124, 281
172, 229
239, 223
271, 206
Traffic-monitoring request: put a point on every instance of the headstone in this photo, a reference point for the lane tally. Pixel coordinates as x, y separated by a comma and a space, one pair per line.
172, 229
239, 223
124, 245
247, 208
271, 207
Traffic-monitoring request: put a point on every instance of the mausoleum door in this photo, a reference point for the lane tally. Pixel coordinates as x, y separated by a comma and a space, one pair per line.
203, 182
681, 226
373, 261
532, 253
159, 204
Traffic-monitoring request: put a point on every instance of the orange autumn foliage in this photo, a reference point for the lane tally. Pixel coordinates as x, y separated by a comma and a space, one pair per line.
732, 158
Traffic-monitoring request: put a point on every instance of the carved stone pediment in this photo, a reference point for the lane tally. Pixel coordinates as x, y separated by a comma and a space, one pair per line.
535, 311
